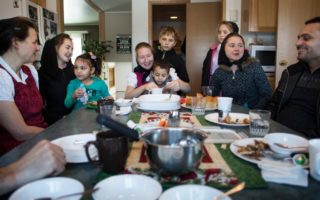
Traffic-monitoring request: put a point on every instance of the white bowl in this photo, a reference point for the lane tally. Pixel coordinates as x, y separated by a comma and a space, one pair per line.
73, 147
123, 102
49, 187
128, 187
191, 192
159, 102
286, 139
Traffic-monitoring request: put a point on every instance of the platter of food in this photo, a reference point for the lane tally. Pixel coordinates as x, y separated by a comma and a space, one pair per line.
211, 102
249, 149
232, 119
92, 105
162, 120
257, 151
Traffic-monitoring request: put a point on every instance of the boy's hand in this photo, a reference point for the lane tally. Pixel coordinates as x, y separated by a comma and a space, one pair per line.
149, 86
173, 85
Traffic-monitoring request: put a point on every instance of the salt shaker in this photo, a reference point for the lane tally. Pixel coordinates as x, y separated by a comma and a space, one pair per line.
174, 118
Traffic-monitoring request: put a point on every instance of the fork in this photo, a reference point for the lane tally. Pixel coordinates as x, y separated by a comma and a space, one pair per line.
237, 188
170, 94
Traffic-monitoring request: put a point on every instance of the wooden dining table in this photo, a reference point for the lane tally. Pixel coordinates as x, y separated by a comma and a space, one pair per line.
84, 121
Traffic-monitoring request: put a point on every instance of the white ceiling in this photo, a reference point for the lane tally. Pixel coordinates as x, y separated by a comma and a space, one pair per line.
78, 12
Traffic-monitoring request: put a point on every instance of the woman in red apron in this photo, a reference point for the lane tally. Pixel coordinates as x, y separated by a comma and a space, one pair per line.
20, 99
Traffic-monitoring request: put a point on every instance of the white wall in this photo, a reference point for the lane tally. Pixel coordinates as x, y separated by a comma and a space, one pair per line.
233, 11
117, 23
121, 71
139, 25
52, 5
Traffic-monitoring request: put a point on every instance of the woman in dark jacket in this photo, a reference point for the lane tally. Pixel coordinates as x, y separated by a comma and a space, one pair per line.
55, 73
240, 76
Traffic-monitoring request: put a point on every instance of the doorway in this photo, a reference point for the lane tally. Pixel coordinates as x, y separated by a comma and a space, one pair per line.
169, 15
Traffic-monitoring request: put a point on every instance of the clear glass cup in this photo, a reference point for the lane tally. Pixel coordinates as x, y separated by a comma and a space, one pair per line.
198, 105
207, 90
259, 122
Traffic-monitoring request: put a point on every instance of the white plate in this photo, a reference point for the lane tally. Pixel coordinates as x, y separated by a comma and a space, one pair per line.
191, 192
73, 147
220, 135
213, 117
188, 107
244, 142
49, 187
128, 187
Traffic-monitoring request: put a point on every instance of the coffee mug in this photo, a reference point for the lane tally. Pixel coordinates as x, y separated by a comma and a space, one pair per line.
314, 156
156, 90
112, 151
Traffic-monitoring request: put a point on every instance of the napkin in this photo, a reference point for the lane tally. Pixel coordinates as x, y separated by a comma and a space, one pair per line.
124, 110
283, 172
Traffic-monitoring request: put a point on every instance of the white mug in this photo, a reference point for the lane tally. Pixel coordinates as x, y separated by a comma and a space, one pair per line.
156, 90
314, 156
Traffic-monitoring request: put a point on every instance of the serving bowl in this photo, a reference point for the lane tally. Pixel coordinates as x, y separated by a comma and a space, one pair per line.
191, 192
174, 151
159, 102
285, 143
49, 187
128, 187
73, 147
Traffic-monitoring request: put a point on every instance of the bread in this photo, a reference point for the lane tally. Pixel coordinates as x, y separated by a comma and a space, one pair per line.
211, 102
188, 101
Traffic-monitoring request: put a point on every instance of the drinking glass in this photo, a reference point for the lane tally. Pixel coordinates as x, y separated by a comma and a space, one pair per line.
259, 122
207, 90
198, 105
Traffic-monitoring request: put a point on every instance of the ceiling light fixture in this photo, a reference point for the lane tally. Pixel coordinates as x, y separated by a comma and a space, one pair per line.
173, 17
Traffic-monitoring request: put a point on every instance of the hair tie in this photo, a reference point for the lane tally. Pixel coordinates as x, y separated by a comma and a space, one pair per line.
92, 56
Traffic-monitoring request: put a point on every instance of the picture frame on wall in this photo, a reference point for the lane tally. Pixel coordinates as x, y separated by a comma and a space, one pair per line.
123, 43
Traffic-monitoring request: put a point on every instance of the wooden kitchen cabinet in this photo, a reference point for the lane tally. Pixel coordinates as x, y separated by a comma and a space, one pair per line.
259, 15
41, 3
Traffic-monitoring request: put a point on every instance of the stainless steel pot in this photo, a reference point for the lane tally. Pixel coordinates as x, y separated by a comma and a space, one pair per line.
170, 151
174, 151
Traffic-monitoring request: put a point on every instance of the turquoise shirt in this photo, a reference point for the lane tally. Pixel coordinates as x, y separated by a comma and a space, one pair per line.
97, 90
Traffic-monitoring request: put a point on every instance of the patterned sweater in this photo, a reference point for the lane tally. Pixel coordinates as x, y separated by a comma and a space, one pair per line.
249, 87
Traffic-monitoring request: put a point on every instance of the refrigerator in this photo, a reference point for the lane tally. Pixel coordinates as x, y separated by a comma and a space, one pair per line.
45, 19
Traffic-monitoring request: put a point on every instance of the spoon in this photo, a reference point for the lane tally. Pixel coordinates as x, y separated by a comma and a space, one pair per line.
90, 191
237, 188
170, 95
289, 147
